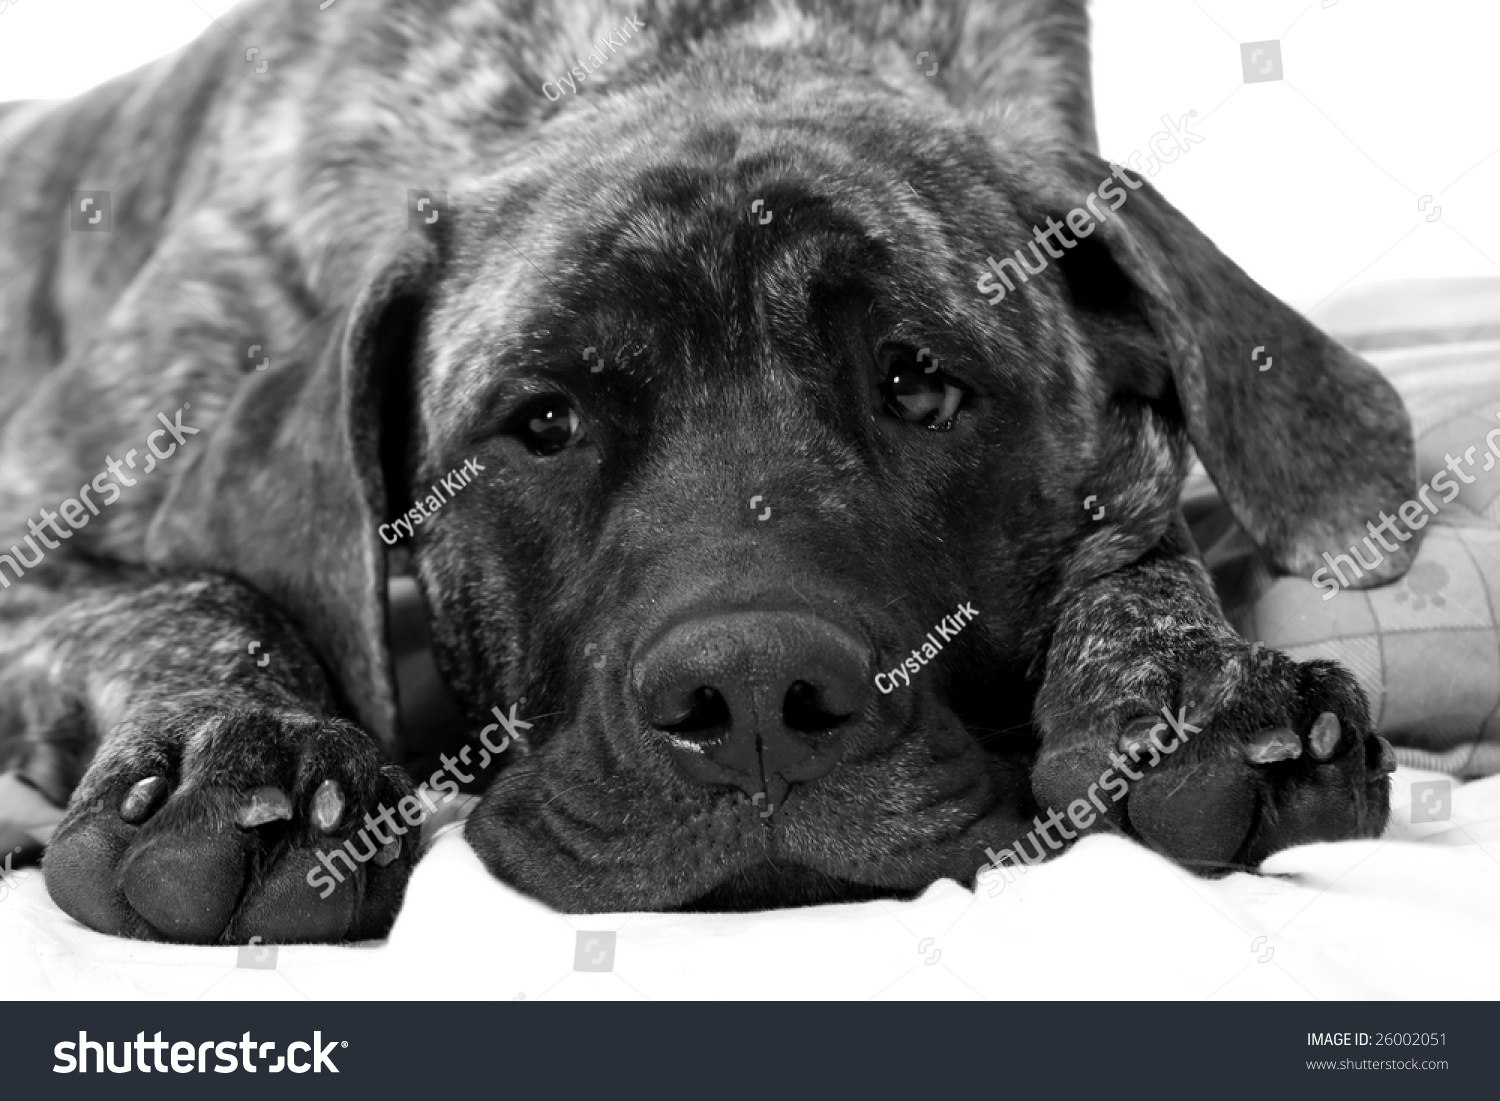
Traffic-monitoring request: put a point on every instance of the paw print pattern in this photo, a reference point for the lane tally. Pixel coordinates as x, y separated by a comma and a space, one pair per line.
1424, 585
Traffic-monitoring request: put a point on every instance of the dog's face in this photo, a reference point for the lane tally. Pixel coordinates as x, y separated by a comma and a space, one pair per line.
806, 448
751, 437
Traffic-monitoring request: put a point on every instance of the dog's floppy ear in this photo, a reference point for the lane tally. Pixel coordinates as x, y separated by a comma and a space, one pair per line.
1305, 440
290, 492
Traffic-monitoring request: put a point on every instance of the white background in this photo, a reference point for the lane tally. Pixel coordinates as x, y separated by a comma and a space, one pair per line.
1312, 183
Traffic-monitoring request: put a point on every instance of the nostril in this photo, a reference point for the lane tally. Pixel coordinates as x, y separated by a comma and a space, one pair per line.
806, 708
705, 717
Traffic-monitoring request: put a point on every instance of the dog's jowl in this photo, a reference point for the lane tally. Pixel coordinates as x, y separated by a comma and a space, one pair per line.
723, 710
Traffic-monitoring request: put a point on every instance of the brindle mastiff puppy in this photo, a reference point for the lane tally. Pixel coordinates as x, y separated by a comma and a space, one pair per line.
710, 325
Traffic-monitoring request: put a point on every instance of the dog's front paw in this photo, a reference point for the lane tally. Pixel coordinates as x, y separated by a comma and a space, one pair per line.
1248, 753
216, 827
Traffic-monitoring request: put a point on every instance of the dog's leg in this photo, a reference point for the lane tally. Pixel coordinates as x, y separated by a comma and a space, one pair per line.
1252, 751
207, 784
214, 769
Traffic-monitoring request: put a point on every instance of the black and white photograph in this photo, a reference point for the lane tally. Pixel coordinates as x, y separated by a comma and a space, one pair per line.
786, 502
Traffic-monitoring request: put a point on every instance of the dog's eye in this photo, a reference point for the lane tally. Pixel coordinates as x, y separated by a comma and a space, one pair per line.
548, 425
916, 390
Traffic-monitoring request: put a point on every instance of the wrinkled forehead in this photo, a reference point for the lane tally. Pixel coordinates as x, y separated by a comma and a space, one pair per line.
721, 226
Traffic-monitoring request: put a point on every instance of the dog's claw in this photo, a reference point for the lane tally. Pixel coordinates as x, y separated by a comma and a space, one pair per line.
142, 799
1276, 744
266, 804
1136, 735
1387, 757
388, 853
1324, 736
328, 806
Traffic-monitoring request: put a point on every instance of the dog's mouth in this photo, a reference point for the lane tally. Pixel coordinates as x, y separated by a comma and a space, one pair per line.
882, 829
771, 885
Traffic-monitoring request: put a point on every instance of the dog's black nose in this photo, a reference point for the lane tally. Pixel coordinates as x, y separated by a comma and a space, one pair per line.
753, 699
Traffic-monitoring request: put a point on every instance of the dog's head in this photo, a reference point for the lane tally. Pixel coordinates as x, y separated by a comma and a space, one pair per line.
773, 485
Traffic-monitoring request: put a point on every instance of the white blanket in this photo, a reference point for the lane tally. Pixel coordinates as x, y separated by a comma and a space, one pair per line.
1415, 914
